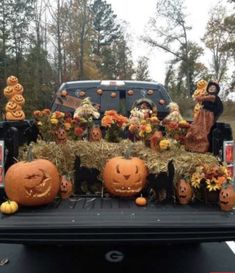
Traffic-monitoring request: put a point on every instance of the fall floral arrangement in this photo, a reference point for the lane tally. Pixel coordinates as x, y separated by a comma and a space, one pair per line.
212, 177
114, 124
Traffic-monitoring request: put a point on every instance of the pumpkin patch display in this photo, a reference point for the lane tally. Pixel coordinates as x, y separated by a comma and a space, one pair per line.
13, 92
32, 183
9, 207
184, 192
125, 177
227, 198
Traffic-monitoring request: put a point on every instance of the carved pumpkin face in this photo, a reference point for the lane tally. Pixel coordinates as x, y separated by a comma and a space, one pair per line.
12, 106
9, 92
124, 176
19, 99
12, 80
184, 192
18, 89
95, 134
16, 115
32, 183
227, 198
61, 136
66, 188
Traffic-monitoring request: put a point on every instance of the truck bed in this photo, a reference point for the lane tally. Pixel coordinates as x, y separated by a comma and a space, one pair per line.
99, 220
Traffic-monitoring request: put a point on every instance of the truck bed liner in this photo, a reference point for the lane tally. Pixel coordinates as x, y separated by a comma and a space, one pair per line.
95, 219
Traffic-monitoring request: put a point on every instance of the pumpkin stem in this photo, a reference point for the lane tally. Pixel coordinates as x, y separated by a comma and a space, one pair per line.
30, 153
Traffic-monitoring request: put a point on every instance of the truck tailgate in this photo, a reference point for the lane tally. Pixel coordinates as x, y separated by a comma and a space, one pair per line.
83, 220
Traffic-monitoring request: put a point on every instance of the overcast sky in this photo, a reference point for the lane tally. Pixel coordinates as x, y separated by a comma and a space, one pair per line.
137, 13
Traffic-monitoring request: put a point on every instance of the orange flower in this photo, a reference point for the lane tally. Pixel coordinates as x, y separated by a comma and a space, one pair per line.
78, 131
37, 114
111, 113
221, 180
107, 121
46, 112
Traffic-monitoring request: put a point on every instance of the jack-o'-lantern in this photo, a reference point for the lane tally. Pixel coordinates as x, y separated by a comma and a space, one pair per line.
32, 183
16, 115
12, 106
60, 136
184, 192
99, 91
125, 176
113, 95
12, 80
19, 99
8, 92
66, 188
227, 198
130, 92
95, 134
18, 89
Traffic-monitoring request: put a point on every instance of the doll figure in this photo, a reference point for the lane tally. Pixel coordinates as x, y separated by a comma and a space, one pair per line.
196, 139
200, 91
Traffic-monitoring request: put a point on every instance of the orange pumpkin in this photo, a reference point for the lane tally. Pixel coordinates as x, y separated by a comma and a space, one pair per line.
99, 91
12, 80
141, 201
32, 183
60, 136
184, 192
66, 188
227, 198
125, 176
18, 89
9, 92
11, 106
95, 134
19, 99
130, 92
113, 95
16, 115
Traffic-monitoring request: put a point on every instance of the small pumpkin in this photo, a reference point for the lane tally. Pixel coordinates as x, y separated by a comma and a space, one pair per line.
227, 198
9, 207
95, 134
184, 192
162, 102
66, 188
150, 92
32, 183
19, 99
18, 89
8, 92
11, 106
64, 93
60, 136
15, 115
99, 91
141, 201
113, 95
12, 80
124, 176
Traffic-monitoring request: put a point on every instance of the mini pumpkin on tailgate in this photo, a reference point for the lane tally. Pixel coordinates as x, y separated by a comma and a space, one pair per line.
227, 198
125, 176
32, 183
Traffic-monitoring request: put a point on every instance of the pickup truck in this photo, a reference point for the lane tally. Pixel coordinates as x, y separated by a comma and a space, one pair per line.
84, 219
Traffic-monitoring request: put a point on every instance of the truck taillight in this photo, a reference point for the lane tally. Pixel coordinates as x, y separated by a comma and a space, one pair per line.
229, 157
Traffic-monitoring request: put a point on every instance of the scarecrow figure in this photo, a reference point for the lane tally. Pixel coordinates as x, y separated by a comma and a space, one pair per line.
197, 137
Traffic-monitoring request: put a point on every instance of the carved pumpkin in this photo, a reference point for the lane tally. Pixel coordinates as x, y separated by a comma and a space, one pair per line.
16, 115
9, 207
9, 92
66, 188
12, 80
11, 106
95, 134
124, 176
18, 89
32, 183
61, 136
227, 198
184, 192
19, 99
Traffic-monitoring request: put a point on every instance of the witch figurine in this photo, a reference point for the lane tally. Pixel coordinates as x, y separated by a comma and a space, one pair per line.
196, 139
